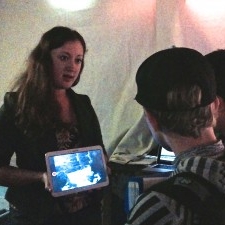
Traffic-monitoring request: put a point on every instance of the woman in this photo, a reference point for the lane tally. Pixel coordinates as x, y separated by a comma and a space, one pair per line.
44, 114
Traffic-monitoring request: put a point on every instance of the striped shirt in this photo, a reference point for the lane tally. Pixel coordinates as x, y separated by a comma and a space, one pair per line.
154, 208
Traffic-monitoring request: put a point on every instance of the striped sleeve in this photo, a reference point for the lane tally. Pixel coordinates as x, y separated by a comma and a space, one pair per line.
154, 208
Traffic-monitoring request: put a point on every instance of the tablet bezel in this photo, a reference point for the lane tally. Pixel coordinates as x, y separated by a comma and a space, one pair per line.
48, 155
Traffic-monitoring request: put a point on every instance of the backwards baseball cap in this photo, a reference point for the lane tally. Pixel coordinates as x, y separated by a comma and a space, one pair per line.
170, 68
217, 60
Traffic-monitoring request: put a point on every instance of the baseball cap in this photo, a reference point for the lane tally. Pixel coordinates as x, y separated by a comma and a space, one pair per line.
170, 68
217, 60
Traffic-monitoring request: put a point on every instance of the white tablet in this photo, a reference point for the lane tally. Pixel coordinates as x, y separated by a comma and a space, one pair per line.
75, 170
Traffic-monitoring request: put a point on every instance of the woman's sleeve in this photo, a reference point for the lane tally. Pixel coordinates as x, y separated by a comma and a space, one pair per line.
7, 131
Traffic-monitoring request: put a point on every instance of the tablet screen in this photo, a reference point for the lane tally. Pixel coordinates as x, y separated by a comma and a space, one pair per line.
75, 170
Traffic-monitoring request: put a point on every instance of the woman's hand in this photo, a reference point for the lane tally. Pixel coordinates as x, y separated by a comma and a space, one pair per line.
46, 182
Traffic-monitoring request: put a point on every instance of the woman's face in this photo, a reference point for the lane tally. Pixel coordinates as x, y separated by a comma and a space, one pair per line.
66, 64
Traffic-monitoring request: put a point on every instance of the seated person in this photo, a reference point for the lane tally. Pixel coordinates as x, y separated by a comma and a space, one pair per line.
177, 89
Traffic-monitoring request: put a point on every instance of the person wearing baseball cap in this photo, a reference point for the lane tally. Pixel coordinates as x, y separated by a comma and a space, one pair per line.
177, 90
217, 60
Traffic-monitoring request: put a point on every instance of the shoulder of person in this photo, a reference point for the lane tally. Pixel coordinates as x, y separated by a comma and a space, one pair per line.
10, 97
197, 194
7, 110
10, 100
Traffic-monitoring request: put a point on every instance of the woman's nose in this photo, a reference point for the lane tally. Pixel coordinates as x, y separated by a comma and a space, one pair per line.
73, 65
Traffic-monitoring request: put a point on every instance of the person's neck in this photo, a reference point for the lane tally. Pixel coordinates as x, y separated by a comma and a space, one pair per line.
67, 114
60, 94
180, 143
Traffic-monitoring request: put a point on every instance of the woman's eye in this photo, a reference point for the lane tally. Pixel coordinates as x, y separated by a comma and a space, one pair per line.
63, 57
78, 60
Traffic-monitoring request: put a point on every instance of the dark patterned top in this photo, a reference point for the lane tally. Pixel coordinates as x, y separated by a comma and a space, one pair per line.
68, 137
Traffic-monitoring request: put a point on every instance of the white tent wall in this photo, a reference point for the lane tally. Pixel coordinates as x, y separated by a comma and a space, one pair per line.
119, 34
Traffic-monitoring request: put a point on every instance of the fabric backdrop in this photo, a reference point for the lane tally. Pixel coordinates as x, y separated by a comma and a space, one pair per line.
119, 34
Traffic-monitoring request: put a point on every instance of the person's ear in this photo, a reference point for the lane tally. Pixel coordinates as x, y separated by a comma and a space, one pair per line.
216, 108
221, 107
